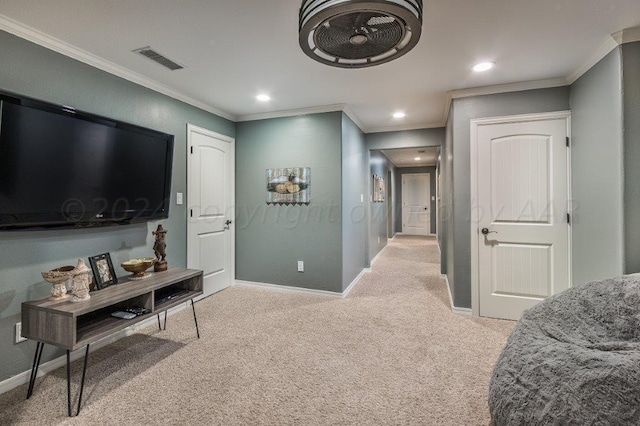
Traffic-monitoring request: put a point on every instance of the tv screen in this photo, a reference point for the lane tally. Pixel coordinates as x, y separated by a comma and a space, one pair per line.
65, 168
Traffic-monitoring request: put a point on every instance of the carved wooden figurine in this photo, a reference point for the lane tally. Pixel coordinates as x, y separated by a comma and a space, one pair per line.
81, 282
159, 249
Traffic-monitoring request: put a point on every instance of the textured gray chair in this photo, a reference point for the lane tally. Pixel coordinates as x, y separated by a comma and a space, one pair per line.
573, 359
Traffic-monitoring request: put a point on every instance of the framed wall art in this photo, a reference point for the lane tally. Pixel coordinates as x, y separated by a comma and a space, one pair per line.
289, 185
103, 272
378, 189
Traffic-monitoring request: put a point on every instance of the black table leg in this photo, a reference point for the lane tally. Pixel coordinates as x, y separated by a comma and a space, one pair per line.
34, 369
69, 382
159, 326
194, 318
84, 373
165, 320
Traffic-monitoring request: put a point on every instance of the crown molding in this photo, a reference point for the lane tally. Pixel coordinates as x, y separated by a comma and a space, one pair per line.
506, 88
596, 56
292, 112
414, 126
354, 118
628, 35
31, 34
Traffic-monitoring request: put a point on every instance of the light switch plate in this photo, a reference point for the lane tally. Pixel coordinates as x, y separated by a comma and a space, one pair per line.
179, 198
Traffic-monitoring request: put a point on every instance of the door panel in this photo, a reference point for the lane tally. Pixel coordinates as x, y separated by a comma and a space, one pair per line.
522, 202
416, 217
210, 195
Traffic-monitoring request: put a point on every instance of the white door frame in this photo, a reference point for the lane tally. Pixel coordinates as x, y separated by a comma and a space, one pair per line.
231, 213
402, 189
475, 124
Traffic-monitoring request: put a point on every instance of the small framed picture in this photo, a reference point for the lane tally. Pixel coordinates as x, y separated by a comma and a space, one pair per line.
103, 272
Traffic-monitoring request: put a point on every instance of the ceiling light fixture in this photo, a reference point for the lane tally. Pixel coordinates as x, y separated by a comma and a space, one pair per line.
359, 33
483, 66
263, 98
399, 114
417, 158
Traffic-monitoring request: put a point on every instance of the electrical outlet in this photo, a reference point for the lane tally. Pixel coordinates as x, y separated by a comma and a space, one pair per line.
300, 266
179, 198
19, 337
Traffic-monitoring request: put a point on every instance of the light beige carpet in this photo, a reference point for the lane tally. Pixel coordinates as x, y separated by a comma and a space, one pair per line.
392, 352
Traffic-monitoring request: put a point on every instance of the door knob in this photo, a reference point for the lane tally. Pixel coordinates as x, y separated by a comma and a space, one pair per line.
485, 231
228, 222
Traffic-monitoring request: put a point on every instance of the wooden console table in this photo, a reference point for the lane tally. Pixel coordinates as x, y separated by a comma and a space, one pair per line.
72, 325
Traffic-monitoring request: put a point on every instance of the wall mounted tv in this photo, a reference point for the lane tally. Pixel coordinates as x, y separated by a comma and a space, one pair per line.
65, 168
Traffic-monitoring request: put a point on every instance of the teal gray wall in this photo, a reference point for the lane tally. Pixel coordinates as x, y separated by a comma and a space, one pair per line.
596, 175
464, 110
270, 239
379, 165
31, 70
445, 213
354, 189
432, 187
631, 88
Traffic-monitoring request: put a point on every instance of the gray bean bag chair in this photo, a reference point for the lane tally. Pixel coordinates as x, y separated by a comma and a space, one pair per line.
573, 359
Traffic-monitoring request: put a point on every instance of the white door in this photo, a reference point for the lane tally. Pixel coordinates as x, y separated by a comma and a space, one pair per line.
522, 223
210, 195
416, 193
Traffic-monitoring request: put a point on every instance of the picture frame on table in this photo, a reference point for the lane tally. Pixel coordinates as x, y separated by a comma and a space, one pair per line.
103, 273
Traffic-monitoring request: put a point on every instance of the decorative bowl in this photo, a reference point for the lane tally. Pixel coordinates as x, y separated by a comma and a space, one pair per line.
139, 266
58, 275
58, 278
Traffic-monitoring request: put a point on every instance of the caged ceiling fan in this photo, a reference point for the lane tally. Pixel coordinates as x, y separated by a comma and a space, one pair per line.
359, 33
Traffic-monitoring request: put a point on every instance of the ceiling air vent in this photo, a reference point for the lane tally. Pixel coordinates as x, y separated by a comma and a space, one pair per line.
359, 33
157, 57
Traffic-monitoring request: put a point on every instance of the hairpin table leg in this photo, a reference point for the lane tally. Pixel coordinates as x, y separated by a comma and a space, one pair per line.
84, 373
159, 326
34, 369
69, 382
194, 318
165, 320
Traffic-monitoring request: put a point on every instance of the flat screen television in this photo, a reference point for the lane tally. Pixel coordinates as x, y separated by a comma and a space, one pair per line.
65, 168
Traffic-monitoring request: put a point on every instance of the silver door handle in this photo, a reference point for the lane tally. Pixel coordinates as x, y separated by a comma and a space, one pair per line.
485, 231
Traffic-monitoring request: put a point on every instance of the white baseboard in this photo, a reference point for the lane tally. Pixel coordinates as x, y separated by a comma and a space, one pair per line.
54, 364
377, 256
466, 312
355, 281
287, 289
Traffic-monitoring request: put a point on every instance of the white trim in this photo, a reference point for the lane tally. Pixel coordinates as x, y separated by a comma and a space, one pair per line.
507, 88
49, 366
378, 255
292, 112
287, 289
353, 118
346, 291
598, 54
474, 125
31, 34
628, 35
414, 126
466, 312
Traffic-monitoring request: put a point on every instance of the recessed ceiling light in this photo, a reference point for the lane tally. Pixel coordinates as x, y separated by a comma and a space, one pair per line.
483, 66
417, 158
399, 114
263, 98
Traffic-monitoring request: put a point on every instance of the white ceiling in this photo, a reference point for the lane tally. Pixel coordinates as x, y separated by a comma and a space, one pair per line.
406, 157
234, 49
